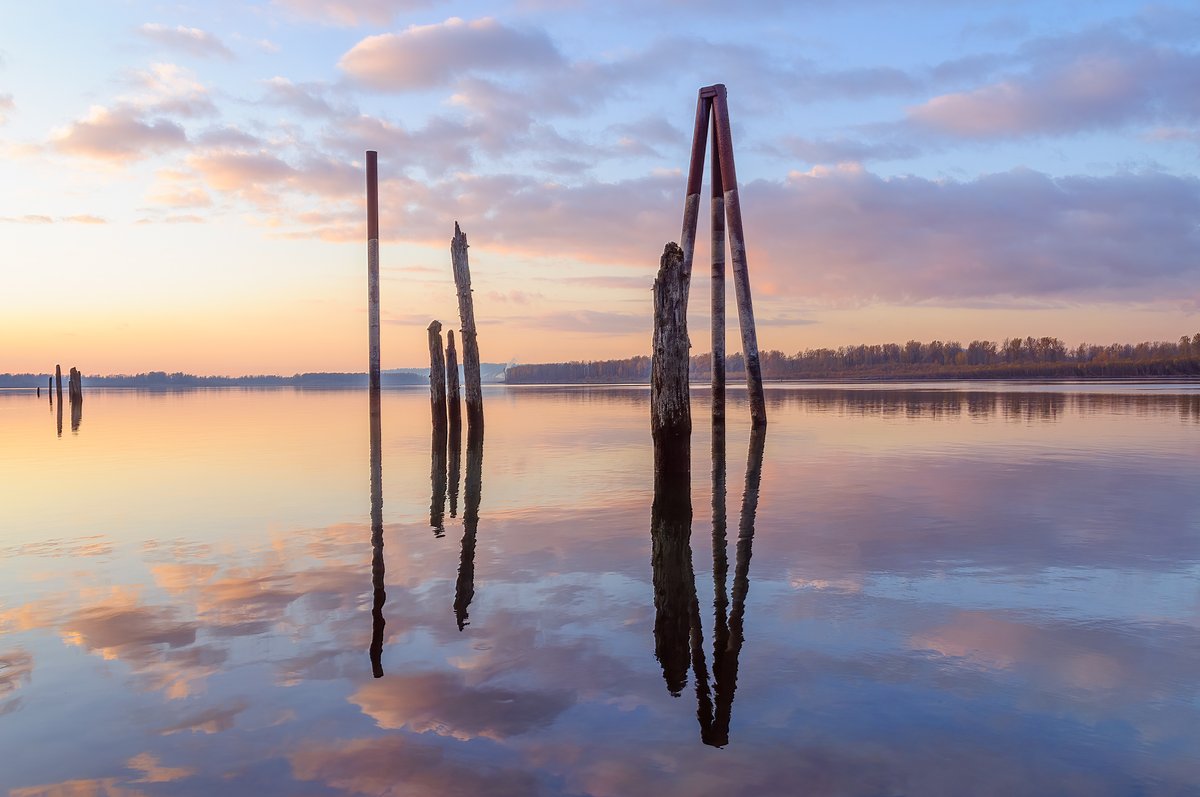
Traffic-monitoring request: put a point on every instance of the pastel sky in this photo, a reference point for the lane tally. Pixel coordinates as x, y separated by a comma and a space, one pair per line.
182, 184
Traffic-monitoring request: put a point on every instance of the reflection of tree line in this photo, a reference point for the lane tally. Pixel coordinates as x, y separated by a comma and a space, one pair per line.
678, 629
1029, 406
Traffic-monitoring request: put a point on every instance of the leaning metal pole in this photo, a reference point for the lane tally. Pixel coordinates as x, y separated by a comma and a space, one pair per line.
737, 254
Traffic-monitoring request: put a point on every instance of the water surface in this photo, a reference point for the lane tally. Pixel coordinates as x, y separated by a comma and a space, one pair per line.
898, 590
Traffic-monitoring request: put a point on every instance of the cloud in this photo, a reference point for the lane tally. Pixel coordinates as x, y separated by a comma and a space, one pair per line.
171, 90
846, 150
84, 219
189, 40
7, 106
92, 787
427, 56
28, 218
350, 13
445, 704
1100, 80
370, 766
154, 772
119, 134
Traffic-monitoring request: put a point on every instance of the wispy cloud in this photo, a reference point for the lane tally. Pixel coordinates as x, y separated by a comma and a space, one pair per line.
426, 56
192, 41
350, 13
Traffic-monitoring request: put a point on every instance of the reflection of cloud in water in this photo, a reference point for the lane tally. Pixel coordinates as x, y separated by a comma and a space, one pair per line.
211, 720
95, 545
94, 787
444, 703
16, 667
154, 772
396, 765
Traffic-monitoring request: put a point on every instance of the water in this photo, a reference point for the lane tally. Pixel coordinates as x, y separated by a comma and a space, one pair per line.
923, 590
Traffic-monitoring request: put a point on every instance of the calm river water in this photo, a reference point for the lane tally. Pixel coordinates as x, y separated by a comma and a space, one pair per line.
901, 590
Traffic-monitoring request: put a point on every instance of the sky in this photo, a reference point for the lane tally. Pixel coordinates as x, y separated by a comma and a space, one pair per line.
182, 185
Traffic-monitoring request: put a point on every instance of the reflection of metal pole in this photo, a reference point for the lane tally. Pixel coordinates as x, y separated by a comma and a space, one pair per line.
379, 596
725, 657
737, 253
373, 268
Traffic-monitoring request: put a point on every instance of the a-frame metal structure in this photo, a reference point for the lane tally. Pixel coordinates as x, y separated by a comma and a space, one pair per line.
726, 218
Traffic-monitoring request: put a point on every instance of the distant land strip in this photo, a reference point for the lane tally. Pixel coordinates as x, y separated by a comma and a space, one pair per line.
1013, 358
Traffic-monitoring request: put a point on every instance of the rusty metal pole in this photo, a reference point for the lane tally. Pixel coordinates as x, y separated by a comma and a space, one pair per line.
737, 253
691, 202
373, 268
717, 278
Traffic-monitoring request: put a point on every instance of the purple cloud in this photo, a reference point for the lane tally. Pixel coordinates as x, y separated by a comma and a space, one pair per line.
192, 41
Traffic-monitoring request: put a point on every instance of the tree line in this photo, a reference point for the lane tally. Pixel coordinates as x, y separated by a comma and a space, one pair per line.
179, 380
1028, 357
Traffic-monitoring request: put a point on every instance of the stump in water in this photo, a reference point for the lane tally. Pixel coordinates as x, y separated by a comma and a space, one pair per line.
670, 403
437, 375
466, 313
454, 405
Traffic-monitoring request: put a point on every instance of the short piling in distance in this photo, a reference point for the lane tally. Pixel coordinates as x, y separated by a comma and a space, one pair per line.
453, 398
373, 269
50, 389
670, 402
437, 375
58, 381
470, 342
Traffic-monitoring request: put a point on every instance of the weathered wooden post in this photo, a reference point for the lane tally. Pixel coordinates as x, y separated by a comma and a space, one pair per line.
39, 391
58, 381
373, 268
670, 402
737, 254
470, 342
50, 389
437, 374
454, 402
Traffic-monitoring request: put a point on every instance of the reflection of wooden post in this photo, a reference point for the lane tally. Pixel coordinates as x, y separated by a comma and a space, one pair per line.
671, 561
466, 313
373, 268
737, 254
454, 403
437, 375
464, 587
670, 403
437, 481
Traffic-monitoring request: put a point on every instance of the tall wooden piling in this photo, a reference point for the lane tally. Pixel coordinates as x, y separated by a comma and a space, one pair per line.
737, 254
437, 375
373, 268
453, 399
470, 343
670, 402
58, 381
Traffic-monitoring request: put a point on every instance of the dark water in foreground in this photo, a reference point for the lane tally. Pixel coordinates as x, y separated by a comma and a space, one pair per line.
933, 590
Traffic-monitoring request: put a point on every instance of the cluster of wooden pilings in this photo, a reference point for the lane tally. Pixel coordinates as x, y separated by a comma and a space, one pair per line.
445, 401
678, 630
54, 386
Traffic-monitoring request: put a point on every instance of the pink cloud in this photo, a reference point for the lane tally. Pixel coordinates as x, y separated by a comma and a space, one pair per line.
189, 40
119, 134
432, 55
349, 13
6, 107
1072, 84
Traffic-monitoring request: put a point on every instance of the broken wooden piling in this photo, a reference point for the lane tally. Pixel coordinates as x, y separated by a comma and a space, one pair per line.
470, 342
437, 375
670, 402
454, 402
373, 268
